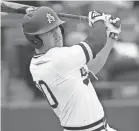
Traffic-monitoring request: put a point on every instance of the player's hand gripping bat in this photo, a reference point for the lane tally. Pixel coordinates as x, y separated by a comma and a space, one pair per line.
11, 7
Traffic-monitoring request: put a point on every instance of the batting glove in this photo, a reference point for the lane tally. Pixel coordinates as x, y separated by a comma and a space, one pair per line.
94, 16
113, 26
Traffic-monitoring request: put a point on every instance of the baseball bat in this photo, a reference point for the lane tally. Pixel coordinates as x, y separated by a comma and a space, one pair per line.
11, 7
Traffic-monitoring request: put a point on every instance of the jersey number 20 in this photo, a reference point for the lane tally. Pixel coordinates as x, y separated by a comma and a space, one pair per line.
47, 93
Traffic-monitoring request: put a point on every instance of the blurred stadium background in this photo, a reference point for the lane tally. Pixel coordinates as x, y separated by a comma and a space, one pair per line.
23, 106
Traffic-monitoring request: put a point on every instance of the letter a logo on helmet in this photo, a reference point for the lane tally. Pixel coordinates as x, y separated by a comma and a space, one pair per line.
50, 18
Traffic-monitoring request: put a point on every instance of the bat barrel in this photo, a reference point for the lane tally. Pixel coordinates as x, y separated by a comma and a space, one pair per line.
11, 7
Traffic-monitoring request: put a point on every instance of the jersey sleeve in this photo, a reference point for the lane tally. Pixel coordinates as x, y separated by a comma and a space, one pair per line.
87, 52
71, 58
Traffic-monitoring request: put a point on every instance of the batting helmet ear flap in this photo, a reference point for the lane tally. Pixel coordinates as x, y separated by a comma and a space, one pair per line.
35, 40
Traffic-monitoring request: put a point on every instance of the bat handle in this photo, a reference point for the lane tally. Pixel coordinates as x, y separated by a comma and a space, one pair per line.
72, 16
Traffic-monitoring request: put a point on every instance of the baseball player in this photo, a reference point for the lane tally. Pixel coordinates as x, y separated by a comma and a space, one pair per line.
61, 72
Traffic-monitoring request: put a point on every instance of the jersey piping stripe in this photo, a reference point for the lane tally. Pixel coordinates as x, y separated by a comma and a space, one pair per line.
101, 121
38, 55
85, 51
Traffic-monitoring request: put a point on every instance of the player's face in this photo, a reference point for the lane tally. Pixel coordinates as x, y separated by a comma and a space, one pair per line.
52, 39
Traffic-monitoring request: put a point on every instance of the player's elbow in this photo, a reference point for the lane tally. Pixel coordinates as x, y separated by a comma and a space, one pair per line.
97, 38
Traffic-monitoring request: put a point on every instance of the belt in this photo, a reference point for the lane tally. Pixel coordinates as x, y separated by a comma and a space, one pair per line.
97, 126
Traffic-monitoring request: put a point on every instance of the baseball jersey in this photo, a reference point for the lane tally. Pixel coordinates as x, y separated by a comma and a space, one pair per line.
62, 76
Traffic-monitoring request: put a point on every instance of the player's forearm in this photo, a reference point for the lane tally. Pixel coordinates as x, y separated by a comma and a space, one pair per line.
101, 58
107, 48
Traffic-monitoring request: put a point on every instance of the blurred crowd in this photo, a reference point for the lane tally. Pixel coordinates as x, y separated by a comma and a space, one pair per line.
122, 64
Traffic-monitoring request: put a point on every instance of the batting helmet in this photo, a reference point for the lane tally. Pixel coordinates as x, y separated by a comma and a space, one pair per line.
38, 21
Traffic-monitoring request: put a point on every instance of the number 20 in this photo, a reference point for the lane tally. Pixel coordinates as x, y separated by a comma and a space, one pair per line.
48, 94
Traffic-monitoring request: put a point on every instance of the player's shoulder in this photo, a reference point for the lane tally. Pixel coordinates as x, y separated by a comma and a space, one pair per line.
51, 55
55, 55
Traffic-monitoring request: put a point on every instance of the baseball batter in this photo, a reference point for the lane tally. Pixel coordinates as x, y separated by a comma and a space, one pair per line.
61, 72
